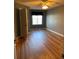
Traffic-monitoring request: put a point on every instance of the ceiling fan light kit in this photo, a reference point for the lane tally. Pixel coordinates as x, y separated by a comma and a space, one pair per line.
44, 7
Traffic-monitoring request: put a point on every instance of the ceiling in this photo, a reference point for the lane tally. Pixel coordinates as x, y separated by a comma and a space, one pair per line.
37, 4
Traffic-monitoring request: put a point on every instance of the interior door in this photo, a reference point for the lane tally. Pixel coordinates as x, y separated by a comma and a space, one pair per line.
17, 22
23, 22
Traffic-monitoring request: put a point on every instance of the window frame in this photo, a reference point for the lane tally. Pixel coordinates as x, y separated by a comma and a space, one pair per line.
37, 20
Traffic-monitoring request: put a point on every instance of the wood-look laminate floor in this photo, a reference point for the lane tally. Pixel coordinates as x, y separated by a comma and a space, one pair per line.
40, 44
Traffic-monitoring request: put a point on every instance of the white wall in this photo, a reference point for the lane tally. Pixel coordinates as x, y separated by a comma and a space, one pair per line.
55, 19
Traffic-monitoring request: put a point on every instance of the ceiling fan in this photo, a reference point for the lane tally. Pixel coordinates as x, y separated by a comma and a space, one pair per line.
46, 3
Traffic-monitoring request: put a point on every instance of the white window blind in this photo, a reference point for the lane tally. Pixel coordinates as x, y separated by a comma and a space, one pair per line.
36, 19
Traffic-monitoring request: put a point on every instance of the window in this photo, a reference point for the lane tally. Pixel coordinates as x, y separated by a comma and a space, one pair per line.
36, 19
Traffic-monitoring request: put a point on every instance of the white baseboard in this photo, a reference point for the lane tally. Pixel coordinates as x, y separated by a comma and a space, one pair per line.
55, 32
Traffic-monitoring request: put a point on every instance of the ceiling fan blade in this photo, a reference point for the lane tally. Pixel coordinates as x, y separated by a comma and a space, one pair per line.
33, 3
44, 0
